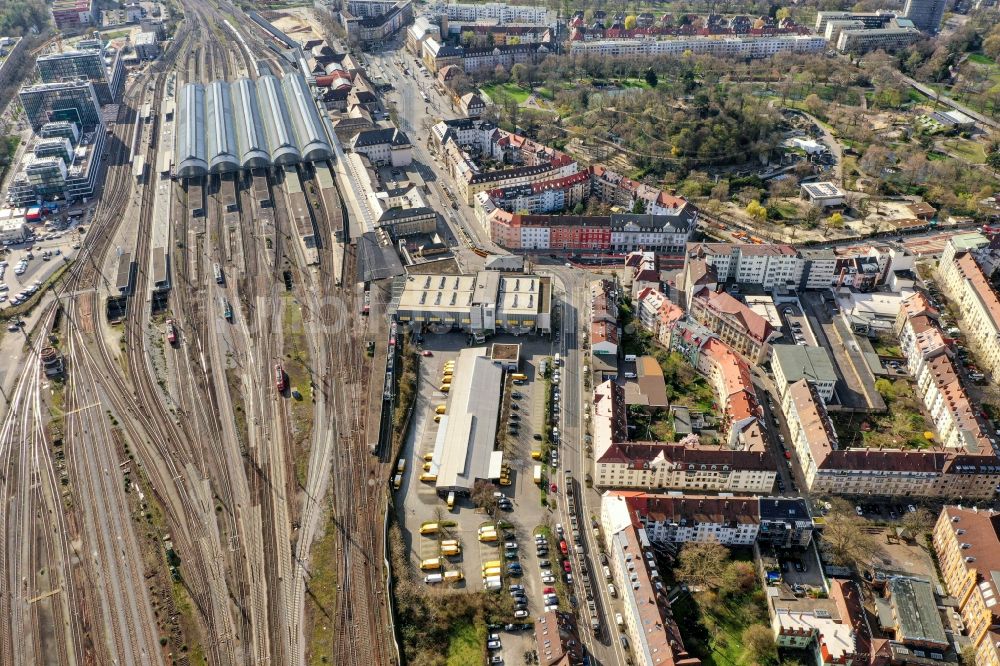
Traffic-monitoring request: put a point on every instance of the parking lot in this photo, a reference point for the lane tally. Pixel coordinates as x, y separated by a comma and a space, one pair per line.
26, 266
418, 502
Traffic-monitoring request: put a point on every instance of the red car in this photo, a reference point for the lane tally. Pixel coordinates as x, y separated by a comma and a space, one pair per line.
553, 488
788, 456
171, 332
566, 566
549, 590
426, 352
563, 547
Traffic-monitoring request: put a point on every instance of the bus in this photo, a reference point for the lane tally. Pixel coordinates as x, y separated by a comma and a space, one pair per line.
537, 478
433, 564
492, 571
519, 377
440, 409
492, 564
453, 576
450, 551
401, 465
487, 537
444, 388
217, 271
227, 310
429, 528
428, 477
397, 481
451, 500
279, 378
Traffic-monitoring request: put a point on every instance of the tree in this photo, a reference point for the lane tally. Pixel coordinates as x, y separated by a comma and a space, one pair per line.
759, 642
639, 207
630, 22
467, 37
967, 657
756, 211
500, 74
835, 221
783, 13
701, 565
918, 522
813, 104
651, 79
720, 191
885, 389
482, 497
845, 542
578, 208
738, 578
519, 72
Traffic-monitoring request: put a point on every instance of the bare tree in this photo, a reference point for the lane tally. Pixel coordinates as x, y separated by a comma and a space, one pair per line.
702, 565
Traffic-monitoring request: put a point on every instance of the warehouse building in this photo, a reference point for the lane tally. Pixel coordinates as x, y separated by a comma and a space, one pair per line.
464, 450
483, 303
227, 127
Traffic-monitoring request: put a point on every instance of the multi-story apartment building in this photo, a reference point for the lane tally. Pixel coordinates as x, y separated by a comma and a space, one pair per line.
542, 197
386, 145
870, 20
688, 465
652, 632
421, 30
615, 189
51, 176
898, 35
791, 363
769, 266
721, 46
827, 468
967, 543
72, 101
69, 15
732, 521
496, 12
928, 359
978, 306
734, 322
104, 70
657, 313
372, 22
925, 14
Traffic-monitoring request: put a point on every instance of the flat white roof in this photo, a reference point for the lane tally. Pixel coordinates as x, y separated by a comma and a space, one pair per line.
464, 452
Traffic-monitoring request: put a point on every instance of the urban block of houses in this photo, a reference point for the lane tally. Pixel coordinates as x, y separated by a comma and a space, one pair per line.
936, 472
740, 464
937, 380
634, 522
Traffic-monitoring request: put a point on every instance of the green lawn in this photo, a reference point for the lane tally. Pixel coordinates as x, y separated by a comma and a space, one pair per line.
466, 643
714, 633
980, 59
970, 151
510, 90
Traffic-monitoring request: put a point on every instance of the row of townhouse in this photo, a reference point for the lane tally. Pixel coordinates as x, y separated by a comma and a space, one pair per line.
928, 360
634, 522
618, 233
771, 266
615, 189
978, 306
497, 12
828, 468
727, 46
541, 197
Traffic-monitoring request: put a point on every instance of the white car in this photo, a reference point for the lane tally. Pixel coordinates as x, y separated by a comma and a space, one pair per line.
521, 614
548, 578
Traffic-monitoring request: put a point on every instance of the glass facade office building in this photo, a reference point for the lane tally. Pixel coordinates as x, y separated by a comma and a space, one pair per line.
105, 70
71, 101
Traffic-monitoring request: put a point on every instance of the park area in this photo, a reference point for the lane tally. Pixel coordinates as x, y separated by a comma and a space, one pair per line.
723, 611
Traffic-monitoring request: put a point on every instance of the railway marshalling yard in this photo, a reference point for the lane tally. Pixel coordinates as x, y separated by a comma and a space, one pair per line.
212, 499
